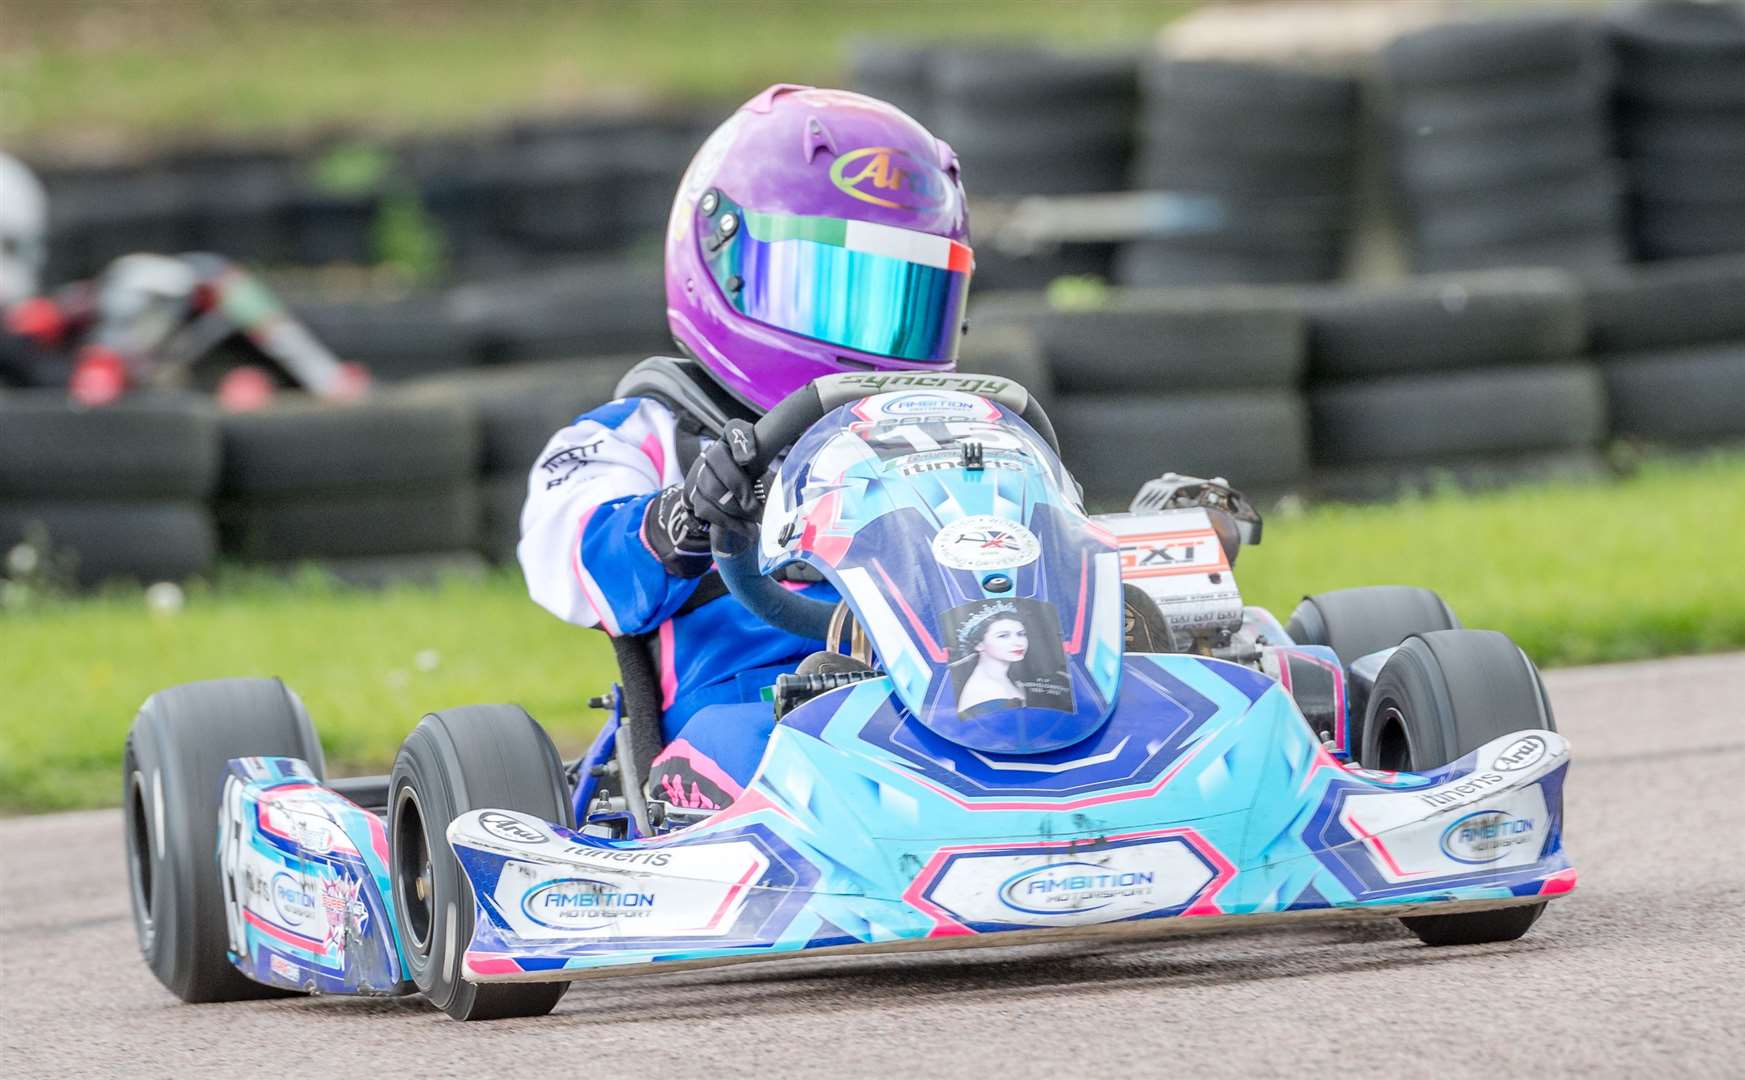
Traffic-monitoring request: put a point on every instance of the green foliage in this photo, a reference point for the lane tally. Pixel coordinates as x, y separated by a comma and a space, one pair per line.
1575, 573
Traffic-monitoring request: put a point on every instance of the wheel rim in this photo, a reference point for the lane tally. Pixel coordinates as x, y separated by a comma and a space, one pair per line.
413, 883
139, 848
1393, 753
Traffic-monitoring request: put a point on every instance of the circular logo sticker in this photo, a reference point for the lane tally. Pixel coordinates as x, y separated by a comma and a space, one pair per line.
985, 542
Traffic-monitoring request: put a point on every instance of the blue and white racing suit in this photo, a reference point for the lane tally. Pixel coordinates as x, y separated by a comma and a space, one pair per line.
586, 559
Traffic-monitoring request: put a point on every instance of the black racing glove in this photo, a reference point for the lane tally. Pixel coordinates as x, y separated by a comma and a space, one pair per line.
678, 540
718, 489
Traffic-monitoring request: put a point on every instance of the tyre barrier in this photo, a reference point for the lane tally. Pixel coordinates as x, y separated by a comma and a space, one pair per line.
1478, 378
1498, 141
1681, 125
1277, 149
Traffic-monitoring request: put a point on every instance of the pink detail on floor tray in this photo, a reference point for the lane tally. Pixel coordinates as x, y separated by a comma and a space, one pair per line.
1559, 883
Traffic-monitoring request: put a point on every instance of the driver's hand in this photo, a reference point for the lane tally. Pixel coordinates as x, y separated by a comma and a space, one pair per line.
718, 489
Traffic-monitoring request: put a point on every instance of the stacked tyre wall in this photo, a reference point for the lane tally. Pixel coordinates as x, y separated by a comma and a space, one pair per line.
1330, 392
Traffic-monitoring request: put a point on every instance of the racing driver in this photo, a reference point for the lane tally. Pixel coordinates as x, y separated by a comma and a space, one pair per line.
816, 231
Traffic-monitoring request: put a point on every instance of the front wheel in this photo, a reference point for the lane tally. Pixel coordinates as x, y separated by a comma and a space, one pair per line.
173, 768
474, 758
1439, 697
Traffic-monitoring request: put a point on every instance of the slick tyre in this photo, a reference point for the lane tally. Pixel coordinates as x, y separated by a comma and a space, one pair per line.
454, 761
1442, 695
172, 776
1357, 622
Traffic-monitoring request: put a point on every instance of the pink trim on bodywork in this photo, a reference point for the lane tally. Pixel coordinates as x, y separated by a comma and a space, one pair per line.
1559, 883
492, 964
927, 642
289, 937
1373, 842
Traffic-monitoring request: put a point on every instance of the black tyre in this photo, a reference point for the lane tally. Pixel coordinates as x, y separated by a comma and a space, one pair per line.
520, 406
303, 446
501, 498
1357, 622
1116, 443
1583, 250
1436, 163
155, 446
1439, 323
172, 778
1167, 342
594, 309
1420, 417
1441, 696
454, 761
1688, 396
397, 339
391, 521
1481, 51
1177, 263
1589, 201
102, 540
1687, 302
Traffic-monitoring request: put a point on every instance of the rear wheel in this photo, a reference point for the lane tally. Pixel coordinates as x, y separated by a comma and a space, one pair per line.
455, 761
1357, 622
1440, 696
177, 755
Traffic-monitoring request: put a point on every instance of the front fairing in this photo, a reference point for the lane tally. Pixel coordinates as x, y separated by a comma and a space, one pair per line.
991, 599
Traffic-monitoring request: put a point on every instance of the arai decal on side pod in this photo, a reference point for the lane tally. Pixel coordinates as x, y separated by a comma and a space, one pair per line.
1523, 753
985, 542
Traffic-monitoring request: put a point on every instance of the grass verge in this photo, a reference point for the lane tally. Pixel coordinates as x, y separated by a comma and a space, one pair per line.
114, 69
1576, 574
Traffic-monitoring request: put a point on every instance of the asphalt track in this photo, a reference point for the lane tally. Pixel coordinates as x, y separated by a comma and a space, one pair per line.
1640, 971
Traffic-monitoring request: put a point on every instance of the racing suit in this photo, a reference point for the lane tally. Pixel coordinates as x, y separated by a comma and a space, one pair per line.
590, 558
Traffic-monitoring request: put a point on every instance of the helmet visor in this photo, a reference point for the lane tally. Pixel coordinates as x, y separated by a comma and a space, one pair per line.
870, 288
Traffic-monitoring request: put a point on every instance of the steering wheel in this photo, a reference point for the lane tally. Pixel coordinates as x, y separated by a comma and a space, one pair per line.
782, 426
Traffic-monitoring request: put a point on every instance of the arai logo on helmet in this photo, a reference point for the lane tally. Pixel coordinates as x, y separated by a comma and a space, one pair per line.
1072, 888
1523, 753
885, 176
1486, 836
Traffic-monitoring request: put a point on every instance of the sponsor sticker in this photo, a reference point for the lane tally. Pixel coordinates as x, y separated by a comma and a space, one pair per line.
930, 405
1167, 554
510, 829
295, 904
1073, 887
284, 969
1061, 888
985, 542
585, 904
1523, 753
1487, 836
888, 177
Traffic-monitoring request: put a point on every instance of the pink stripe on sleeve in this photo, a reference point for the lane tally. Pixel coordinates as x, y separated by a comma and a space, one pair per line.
590, 590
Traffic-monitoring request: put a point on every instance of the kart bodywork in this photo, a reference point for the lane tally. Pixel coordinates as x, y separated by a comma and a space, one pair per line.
1136, 794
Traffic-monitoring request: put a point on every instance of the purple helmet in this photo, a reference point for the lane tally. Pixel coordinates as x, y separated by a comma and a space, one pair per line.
817, 231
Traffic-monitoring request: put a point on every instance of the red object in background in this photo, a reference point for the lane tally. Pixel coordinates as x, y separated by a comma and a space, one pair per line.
353, 382
39, 319
245, 389
99, 376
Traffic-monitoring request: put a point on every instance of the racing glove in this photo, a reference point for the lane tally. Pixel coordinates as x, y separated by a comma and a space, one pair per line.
718, 489
678, 540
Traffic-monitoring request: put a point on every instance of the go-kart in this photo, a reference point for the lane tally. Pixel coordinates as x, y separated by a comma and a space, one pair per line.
1027, 724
